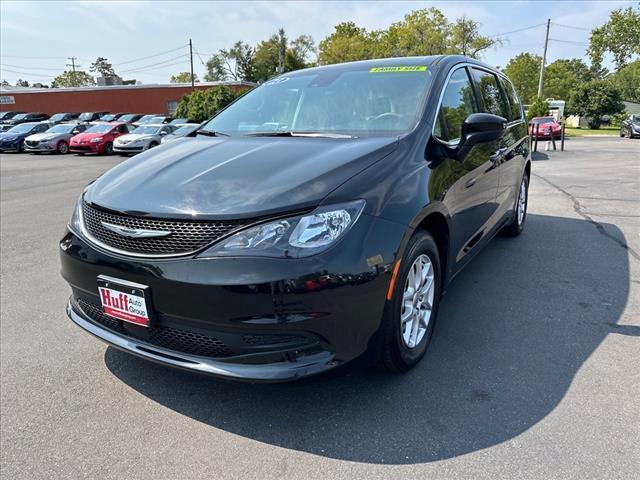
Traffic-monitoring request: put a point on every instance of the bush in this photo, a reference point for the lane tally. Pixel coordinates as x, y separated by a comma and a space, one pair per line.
594, 100
539, 108
201, 105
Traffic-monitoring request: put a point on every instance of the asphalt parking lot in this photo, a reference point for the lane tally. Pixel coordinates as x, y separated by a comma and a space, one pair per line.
533, 371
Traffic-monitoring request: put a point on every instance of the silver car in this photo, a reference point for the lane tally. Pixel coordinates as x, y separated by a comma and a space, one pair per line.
56, 139
142, 138
180, 131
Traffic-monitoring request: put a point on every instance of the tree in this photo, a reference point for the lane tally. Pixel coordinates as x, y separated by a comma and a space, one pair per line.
620, 36
627, 80
347, 43
563, 76
466, 39
102, 66
236, 63
201, 105
276, 55
524, 71
69, 78
539, 108
183, 77
22, 83
594, 100
420, 32
4, 83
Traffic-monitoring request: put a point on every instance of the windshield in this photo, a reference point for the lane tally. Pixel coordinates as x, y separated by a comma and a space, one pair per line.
99, 128
20, 116
23, 128
157, 119
146, 119
148, 130
61, 129
177, 121
86, 116
542, 120
362, 101
2, 114
184, 130
57, 117
127, 118
107, 118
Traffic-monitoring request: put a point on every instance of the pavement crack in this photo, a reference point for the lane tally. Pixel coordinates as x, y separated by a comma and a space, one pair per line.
599, 227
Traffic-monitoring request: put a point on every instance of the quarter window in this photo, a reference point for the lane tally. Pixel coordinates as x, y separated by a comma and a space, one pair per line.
458, 102
490, 92
515, 109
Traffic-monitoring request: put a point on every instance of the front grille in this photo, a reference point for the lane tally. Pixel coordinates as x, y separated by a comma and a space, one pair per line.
81, 148
263, 339
31, 143
186, 236
182, 341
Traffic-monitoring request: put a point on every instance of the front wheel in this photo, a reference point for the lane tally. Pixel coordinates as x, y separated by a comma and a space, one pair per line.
516, 226
408, 323
108, 149
63, 147
152, 144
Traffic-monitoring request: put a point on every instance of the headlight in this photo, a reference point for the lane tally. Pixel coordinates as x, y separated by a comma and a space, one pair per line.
293, 237
96, 140
75, 224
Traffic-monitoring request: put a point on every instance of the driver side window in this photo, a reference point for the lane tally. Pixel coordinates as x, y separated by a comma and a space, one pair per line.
458, 102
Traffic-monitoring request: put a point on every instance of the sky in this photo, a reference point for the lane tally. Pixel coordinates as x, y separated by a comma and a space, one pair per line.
36, 38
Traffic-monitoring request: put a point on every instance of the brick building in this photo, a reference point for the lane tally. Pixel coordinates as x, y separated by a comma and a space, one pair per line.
155, 98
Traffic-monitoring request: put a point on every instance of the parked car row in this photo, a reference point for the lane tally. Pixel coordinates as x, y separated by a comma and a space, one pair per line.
98, 137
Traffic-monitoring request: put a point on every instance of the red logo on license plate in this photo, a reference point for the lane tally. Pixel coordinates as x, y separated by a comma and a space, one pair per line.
124, 306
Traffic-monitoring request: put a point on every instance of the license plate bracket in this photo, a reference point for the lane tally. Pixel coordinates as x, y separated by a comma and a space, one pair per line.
125, 300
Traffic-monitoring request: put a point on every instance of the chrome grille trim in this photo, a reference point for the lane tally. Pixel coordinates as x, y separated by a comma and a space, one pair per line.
193, 235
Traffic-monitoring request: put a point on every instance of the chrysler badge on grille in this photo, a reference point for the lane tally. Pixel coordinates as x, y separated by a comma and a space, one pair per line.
135, 232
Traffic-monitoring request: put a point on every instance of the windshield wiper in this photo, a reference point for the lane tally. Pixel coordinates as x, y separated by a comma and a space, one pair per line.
211, 133
300, 134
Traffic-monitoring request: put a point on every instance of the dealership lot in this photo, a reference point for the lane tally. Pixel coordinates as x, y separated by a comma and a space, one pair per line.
532, 371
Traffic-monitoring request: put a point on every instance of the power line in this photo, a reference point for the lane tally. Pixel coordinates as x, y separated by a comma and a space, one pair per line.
159, 67
56, 69
583, 44
144, 67
150, 56
34, 58
571, 26
28, 73
518, 30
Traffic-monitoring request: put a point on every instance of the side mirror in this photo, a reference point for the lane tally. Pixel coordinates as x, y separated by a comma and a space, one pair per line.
480, 128
163, 133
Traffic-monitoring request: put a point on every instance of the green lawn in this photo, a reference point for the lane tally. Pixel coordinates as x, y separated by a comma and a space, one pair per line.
581, 132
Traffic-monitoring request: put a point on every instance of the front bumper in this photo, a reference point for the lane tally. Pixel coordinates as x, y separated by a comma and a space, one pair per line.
126, 149
51, 147
328, 306
96, 148
10, 147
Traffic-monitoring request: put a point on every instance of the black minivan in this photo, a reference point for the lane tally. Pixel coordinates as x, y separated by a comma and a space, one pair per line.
317, 218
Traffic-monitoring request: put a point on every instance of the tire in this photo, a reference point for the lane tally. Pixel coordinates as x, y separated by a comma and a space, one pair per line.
397, 355
515, 227
62, 148
21, 147
108, 148
152, 144
621, 133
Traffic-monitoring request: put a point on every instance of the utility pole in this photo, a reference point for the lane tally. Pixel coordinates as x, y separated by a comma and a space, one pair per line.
544, 60
191, 60
73, 66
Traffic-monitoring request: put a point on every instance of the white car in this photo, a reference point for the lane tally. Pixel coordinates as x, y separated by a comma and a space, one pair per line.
142, 138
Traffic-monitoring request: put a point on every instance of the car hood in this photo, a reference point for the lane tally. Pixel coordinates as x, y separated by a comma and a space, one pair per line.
234, 177
132, 137
10, 136
38, 137
88, 136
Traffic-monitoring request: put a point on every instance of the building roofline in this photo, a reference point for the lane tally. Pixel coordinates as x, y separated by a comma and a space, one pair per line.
11, 91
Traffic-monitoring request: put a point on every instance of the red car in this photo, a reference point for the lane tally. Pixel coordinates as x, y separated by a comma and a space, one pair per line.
98, 138
548, 126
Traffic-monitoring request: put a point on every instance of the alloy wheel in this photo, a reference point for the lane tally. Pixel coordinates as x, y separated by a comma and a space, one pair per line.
522, 202
417, 301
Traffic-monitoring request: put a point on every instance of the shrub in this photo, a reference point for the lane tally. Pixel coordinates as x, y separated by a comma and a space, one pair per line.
201, 105
539, 108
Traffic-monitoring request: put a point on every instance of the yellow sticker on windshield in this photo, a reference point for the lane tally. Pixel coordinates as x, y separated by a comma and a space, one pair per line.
406, 68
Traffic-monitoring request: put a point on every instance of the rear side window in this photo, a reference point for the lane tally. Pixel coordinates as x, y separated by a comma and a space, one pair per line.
458, 102
515, 109
487, 84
